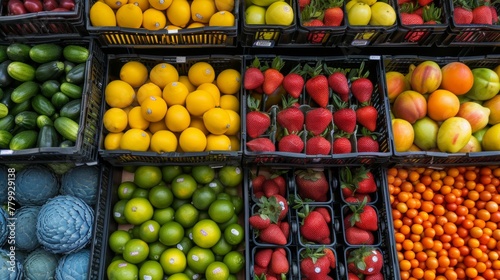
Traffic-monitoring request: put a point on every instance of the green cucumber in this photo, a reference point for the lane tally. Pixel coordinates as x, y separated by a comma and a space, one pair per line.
47, 137
76, 54
68, 65
26, 119
3, 53
49, 70
7, 123
42, 105
43, 53
59, 99
77, 74
49, 88
71, 109
67, 144
4, 110
67, 127
24, 140
21, 71
19, 52
71, 90
25, 91
43, 120
6, 98
21, 107
5, 138
5, 79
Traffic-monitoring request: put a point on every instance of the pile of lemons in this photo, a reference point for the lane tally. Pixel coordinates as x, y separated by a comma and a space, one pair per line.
161, 110
162, 14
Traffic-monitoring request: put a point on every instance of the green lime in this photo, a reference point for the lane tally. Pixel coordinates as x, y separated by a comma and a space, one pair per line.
235, 261
122, 270
147, 177
185, 245
183, 186
179, 276
189, 233
217, 271
126, 189
234, 234
191, 274
177, 203
140, 192
206, 233
151, 270
203, 197
138, 210
233, 220
163, 215
224, 196
161, 196
230, 176
169, 172
216, 185
232, 191
118, 210
237, 203
203, 174
198, 259
135, 251
203, 215
149, 231
186, 215
173, 261
187, 168
118, 239
130, 168
221, 247
232, 277
134, 231
171, 233
155, 250
221, 210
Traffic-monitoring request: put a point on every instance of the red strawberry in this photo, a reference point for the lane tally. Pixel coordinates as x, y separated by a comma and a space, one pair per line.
365, 260
312, 184
325, 213
362, 89
337, 81
314, 228
291, 143
262, 257
270, 188
261, 145
494, 15
317, 120
257, 182
423, 3
259, 221
352, 276
279, 263
318, 145
259, 270
342, 145
280, 180
367, 117
257, 122
411, 19
314, 36
377, 276
273, 235
366, 144
254, 77
365, 181
462, 15
357, 236
290, 117
285, 228
273, 78
317, 88
345, 119
293, 83
364, 216
314, 264
401, 2
303, 4
482, 15
333, 16
331, 257
281, 204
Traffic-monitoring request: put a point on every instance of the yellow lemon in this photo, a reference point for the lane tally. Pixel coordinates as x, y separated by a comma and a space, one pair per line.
153, 19
201, 72
198, 102
112, 141
192, 140
222, 18
224, 5
163, 73
177, 118
136, 120
218, 143
115, 120
279, 13
129, 16
134, 73
235, 143
202, 10
101, 14
153, 109
185, 80
175, 93
163, 141
196, 25
146, 90
135, 140
359, 14
143, 4
198, 123
216, 120
234, 123
119, 94
230, 102
160, 4
179, 13
229, 81
156, 126
349, 5
213, 90
115, 4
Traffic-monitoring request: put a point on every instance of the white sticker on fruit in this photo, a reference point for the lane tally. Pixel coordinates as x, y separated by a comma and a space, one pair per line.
195, 258
171, 261
217, 270
147, 277
118, 215
180, 180
151, 228
179, 246
317, 270
235, 232
123, 264
237, 170
203, 232
134, 253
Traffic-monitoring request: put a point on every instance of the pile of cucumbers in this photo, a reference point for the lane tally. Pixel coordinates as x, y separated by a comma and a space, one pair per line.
41, 88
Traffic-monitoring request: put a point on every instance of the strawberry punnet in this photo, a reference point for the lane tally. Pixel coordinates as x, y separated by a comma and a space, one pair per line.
365, 260
312, 184
313, 227
257, 122
364, 216
315, 263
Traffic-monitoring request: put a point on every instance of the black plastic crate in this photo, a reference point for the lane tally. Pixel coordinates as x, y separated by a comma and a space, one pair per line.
469, 35
401, 64
335, 273
373, 64
182, 64
120, 37
85, 147
334, 227
42, 24
251, 264
374, 197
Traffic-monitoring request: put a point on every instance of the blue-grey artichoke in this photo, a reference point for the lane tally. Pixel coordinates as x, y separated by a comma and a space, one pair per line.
25, 219
82, 182
10, 267
74, 266
35, 184
4, 230
64, 224
3, 184
40, 265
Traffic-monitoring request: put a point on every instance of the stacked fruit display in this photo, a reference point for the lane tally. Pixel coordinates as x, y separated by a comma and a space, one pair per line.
370, 13
153, 106
180, 222
417, 13
446, 108
17, 7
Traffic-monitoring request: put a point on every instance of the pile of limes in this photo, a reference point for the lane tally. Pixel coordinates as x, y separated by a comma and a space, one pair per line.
162, 110
178, 221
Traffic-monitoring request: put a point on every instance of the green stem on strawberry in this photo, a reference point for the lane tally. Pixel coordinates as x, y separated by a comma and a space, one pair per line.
358, 73
330, 70
277, 63
270, 208
312, 11
431, 13
313, 253
253, 103
357, 209
314, 71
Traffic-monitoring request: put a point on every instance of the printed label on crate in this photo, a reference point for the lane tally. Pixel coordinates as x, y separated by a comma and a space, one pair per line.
264, 43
